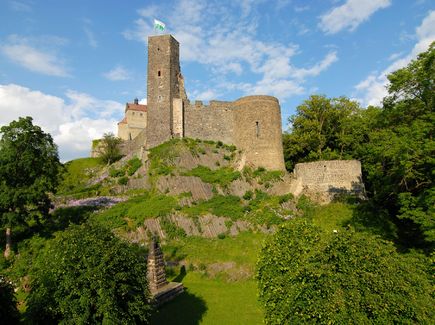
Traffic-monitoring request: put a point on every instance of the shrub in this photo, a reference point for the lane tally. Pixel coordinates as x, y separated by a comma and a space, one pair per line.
8, 303
123, 180
113, 172
248, 195
133, 165
306, 276
87, 275
222, 176
171, 230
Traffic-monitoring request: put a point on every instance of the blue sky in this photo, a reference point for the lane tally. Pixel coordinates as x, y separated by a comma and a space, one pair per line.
72, 65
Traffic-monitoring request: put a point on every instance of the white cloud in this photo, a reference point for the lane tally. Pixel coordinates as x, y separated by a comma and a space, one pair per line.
21, 51
350, 15
92, 41
373, 89
225, 42
19, 6
117, 73
73, 122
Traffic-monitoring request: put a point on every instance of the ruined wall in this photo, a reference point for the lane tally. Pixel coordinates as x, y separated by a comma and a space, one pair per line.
209, 122
258, 131
330, 178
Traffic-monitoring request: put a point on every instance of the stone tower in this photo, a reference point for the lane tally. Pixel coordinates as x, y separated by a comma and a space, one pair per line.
164, 98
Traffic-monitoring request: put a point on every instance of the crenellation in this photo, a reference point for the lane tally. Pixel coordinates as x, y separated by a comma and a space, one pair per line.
251, 123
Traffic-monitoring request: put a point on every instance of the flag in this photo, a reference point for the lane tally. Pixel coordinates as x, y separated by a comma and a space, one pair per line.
159, 25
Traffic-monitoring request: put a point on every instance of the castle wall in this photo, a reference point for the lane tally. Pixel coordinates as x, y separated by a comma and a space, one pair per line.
123, 131
209, 122
258, 131
136, 119
331, 177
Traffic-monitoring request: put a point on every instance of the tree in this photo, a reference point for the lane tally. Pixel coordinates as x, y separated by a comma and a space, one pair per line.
108, 148
322, 128
29, 171
307, 276
87, 276
8, 302
399, 154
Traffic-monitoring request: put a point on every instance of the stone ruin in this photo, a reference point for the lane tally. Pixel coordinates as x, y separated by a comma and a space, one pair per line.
161, 290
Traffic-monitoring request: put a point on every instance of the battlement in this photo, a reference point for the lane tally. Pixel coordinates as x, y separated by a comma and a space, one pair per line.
252, 123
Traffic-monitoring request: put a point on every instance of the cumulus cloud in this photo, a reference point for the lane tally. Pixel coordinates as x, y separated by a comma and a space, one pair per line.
22, 51
117, 73
226, 43
72, 121
350, 15
373, 89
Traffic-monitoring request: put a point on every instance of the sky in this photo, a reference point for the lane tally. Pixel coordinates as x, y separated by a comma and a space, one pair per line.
73, 64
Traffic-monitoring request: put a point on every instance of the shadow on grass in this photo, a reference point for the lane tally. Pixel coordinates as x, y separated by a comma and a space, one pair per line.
181, 275
366, 217
186, 309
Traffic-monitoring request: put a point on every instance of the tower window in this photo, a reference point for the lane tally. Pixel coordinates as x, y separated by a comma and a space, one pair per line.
257, 128
159, 73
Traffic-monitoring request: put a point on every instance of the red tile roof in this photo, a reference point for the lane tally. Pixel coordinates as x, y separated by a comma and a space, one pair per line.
135, 107
124, 121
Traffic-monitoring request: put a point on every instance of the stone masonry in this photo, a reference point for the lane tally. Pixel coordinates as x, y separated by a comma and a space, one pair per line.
252, 123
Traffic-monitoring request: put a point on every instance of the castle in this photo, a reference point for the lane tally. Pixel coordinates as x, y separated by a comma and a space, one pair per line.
252, 123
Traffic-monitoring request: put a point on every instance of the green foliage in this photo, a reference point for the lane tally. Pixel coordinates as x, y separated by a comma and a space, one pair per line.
137, 208
171, 230
113, 172
322, 128
29, 171
123, 180
306, 276
109, 148
76, 175
267, 176
219, 205
222, 176
133, 165
394, 143
8, 303
248, 195
86, 275
163, 157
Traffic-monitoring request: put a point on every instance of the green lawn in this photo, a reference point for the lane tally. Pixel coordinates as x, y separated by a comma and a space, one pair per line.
212, 301
223, 297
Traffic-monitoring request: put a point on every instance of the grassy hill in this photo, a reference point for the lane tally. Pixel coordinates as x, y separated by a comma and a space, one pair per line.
211, 215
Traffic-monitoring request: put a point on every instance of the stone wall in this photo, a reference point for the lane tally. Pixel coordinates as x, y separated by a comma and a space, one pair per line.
329, 178
162, 87
258, 131
209, 122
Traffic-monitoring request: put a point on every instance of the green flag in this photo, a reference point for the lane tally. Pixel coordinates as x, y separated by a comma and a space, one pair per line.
159, 25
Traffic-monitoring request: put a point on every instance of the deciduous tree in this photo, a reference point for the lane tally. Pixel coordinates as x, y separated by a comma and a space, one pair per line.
88, 276
29, 171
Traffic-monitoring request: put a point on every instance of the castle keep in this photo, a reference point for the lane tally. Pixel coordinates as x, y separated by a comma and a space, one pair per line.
251, 123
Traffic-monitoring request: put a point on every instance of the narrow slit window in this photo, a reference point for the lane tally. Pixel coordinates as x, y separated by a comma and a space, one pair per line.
159, 73
257, 128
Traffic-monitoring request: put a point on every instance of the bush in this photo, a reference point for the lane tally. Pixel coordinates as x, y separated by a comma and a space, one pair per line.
113, 172
86, 275
8, 303
123, 180
306, 276
133, 165
222, 176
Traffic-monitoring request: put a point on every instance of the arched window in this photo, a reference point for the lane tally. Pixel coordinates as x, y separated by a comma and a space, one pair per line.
159, 73
257, 128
